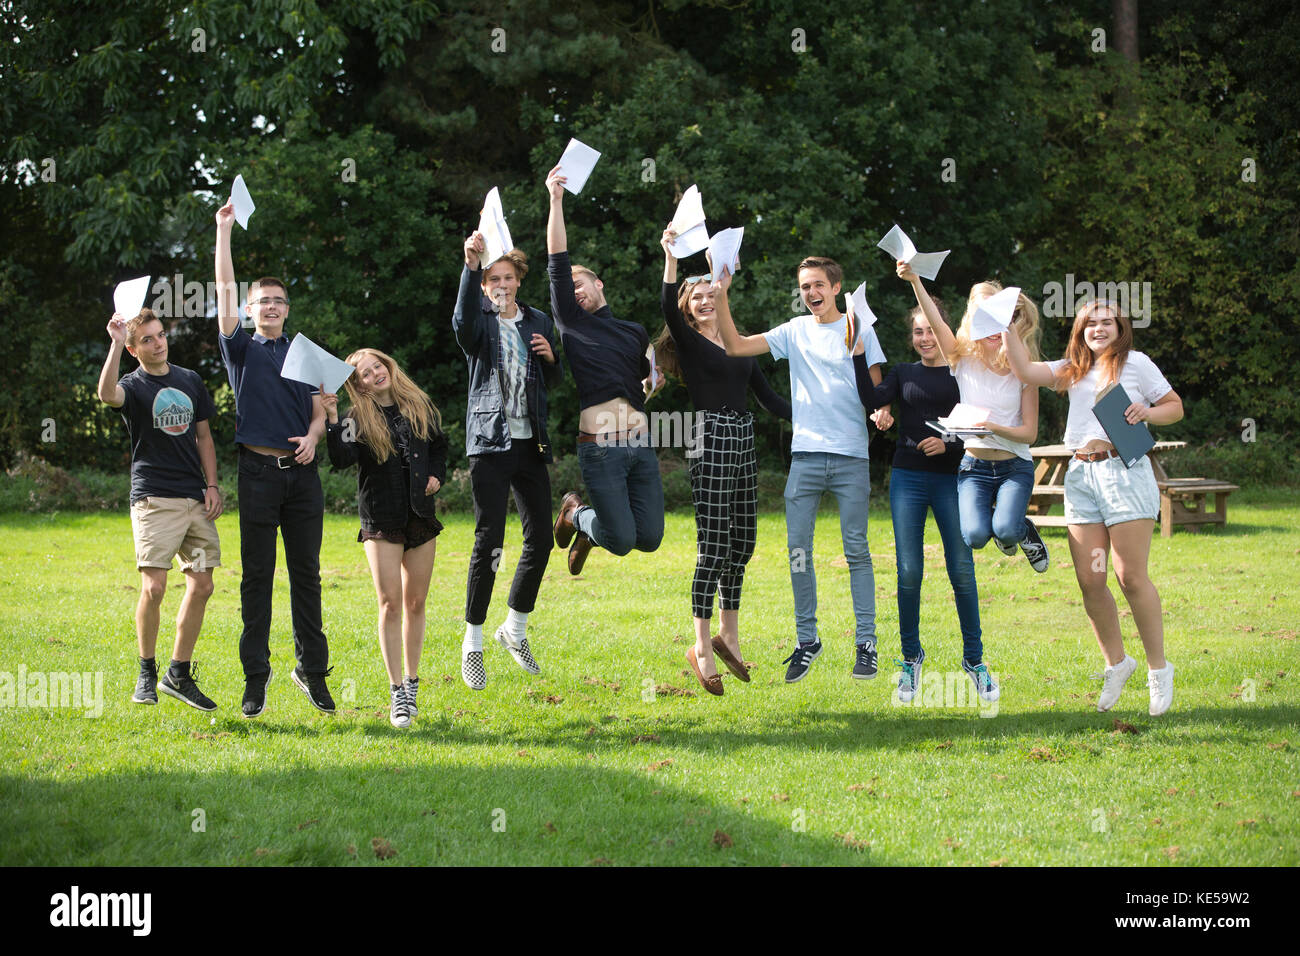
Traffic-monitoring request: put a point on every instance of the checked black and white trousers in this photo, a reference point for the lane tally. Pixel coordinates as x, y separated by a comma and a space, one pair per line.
724, 487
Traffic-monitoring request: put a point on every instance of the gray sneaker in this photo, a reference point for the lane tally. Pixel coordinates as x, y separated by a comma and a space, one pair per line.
1035, 550
985, 686
399, 715
411, 686
146, 685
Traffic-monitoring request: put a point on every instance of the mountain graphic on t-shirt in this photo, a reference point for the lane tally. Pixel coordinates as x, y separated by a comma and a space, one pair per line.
172, 411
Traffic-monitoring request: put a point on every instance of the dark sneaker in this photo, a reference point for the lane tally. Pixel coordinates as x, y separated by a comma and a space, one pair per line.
400, 713
146, 684
909, 678
520, 652
1007, 549
411, 685
313, 685
186, 689
1035, 550
864, 668
984, 684
801, 660
255, 694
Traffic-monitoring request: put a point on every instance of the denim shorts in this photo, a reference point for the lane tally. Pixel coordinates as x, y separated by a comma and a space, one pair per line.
1106, 491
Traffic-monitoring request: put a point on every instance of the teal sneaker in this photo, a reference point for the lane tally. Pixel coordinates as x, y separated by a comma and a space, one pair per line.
985, 686
909, 678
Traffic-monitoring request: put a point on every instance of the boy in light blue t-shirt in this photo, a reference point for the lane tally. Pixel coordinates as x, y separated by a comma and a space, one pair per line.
828, 451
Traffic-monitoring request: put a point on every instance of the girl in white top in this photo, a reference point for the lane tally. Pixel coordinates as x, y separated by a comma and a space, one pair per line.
1108, 507
996, 476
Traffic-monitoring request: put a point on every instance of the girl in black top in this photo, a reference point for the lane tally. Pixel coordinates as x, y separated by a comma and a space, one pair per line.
924, 477
722, 466
393, 433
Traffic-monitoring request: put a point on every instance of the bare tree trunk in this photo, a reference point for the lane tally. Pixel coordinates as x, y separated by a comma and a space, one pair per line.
1126, 29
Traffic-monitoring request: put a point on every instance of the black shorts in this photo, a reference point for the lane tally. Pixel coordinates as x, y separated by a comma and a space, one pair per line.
418, 530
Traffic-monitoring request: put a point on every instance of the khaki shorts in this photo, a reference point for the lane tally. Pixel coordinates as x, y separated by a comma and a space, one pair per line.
167, 528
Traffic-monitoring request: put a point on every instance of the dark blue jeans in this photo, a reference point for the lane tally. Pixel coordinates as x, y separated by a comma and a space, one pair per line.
993, 496
625, 495
291, 502
911, 494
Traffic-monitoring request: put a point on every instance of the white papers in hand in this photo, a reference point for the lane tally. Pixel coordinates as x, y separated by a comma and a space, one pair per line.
688, 223
861, 311
308, 362
576, 165
128, 297
243, 201
725, 250
993, 315
925, 264
496, 235
964, 416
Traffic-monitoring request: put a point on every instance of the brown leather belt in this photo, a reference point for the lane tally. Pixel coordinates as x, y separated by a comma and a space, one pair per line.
1096, 455
613, 438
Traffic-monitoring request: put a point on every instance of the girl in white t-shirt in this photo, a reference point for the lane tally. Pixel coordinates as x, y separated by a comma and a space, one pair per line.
1109, 507
996, 476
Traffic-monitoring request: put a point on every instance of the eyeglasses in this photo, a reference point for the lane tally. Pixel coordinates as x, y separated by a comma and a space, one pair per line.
270, 300
691, 280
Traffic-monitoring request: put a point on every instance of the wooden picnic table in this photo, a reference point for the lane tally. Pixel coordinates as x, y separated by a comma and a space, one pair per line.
1183, 501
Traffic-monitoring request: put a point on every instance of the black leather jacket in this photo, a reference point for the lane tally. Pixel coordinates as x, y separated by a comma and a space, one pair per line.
382, 498
475, 323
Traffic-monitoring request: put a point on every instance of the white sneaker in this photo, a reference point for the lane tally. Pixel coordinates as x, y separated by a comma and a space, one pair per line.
471, 669
520, 652
1161, 683
1113, 682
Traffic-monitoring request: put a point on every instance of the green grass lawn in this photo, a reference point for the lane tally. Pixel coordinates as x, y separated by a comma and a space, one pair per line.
615, 754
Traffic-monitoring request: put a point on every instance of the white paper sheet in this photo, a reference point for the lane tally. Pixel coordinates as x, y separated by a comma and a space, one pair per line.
243, 201
964, 416
496, 234
861, 311
308, 362
725, 250
128, 297
993, 315
576, 164
924, 264
688, 223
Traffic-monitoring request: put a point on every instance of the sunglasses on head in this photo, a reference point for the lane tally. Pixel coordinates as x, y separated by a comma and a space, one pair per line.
707, 277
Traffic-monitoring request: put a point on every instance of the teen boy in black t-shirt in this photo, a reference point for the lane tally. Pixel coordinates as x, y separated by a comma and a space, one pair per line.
174, 496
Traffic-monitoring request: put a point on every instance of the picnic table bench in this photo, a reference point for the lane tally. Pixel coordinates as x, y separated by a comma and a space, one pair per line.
1184, 502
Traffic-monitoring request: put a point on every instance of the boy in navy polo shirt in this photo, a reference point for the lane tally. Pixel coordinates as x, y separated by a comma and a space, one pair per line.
174, 496
278, 423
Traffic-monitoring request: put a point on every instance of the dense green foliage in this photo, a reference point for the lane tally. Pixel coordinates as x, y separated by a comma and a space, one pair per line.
369, 133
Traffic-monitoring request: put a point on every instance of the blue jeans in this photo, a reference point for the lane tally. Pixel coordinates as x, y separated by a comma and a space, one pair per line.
849, 479
993, 496
626, 497
911, 494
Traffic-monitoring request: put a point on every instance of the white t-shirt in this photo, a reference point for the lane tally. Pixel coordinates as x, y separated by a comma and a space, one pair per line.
1000, 394
828, 415
1140, 378
514, 365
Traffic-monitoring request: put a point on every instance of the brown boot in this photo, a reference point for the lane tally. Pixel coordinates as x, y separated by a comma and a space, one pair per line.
564, 527
578, 552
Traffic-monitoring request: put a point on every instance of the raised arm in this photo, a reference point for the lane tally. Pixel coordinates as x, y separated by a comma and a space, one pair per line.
1031, 373
670, 260
947, 341
466, 319
110, 393
556, 239
732, 340
227, 291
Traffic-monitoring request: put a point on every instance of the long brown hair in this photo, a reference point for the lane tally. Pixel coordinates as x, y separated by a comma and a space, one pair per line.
1079, 358
412, 402
1024, 320
665, 344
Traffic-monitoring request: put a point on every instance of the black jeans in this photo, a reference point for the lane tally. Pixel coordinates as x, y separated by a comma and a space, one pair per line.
492, 477
290, 500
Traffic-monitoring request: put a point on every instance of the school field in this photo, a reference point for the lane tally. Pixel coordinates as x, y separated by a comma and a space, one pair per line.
616, 755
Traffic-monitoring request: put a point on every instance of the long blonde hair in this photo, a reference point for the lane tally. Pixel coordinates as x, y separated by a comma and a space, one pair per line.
1024, 320
412, 402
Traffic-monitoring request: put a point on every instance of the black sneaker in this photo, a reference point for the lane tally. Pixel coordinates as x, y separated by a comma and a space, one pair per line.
146, 683
186, 689
399, 715
1035, 550
255, 694
801, 660
313, 685
865, 666
411, 687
